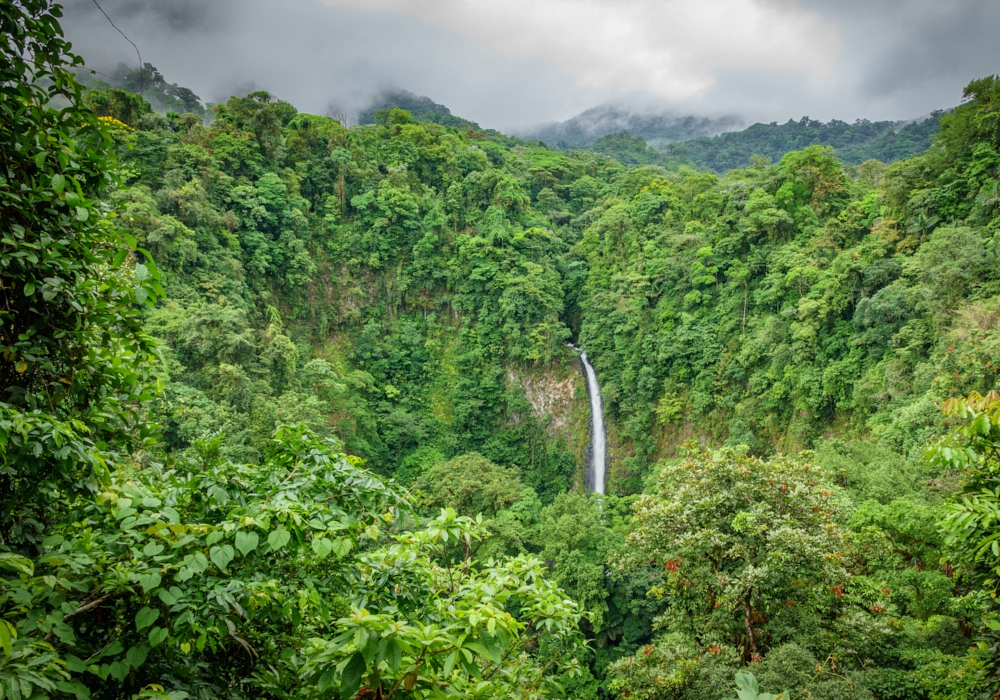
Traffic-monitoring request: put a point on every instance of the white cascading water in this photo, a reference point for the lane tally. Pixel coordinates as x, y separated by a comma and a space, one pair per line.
597, 446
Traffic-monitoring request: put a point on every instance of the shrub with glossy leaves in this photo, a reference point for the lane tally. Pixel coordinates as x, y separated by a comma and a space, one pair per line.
75, 360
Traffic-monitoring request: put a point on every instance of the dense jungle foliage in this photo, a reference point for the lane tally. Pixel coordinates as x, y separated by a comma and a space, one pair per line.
289, 412
855, 143
670, 141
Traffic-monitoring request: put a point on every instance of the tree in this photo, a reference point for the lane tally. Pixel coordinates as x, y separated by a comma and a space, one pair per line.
471, 484
124, 577
972, 518
171, 570
577, 545
745, 542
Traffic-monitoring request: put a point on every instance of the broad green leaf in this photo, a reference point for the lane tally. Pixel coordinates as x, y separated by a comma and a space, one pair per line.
145, 617
371, 648
221, 556
350, 680
171, 513
322, 546
246, 542
58, 183
136, 656
326, 679
149, 581
494, 652
151, 264
124, 512
449, 663
15, 562
118, 670
278, 538
157, 636
479, 649
394, 655
342, 547
6, 632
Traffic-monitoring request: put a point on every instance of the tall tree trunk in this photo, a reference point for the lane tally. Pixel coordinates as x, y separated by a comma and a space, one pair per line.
751, 649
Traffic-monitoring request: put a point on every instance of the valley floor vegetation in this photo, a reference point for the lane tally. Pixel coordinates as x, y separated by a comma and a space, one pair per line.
288, 409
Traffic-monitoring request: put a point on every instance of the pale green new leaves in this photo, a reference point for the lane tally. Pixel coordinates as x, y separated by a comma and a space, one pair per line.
461, 633
747, 689
152, 533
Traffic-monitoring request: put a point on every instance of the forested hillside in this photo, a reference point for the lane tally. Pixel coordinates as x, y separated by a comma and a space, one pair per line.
423, 109
389, 285
669, 140
289, 410
658, 129
855, 143
148, 82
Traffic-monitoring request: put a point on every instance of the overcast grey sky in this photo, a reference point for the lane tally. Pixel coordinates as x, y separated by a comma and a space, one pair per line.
510, 63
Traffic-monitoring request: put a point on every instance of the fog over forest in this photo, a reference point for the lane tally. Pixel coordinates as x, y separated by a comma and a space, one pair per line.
523, 63
482, 349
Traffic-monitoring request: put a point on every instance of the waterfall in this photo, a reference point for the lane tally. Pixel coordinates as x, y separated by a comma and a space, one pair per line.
595, 470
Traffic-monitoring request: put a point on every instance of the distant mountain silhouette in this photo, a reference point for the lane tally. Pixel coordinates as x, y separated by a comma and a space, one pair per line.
718, 144
656, 129
423, 109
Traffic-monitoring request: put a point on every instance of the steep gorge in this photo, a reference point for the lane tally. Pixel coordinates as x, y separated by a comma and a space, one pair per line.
289, 409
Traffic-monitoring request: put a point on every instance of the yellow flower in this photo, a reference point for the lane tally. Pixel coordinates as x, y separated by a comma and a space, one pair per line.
111, 121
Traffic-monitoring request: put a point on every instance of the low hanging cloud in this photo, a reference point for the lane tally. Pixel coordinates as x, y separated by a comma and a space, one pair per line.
515, 63
670, 49
321, 57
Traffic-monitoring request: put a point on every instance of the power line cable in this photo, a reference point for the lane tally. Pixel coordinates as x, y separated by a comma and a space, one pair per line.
142, 80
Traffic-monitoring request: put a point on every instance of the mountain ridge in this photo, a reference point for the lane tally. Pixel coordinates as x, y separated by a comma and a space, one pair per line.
655, 129
713, 143
423, 109
887, 141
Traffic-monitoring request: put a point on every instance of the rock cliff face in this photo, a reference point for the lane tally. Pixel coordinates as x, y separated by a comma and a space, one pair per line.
557, 395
